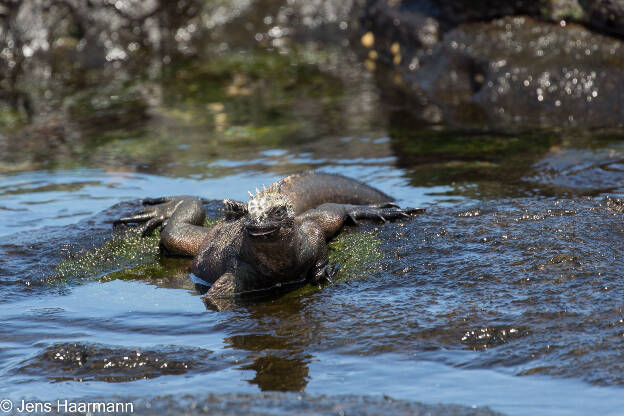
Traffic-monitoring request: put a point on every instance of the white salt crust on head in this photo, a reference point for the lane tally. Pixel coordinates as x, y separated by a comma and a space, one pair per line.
260, 204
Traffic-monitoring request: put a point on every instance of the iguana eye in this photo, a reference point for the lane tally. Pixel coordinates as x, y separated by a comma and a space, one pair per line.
280, 212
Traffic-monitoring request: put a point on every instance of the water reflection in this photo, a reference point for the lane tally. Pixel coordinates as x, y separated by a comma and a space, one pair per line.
274, 373
277, 346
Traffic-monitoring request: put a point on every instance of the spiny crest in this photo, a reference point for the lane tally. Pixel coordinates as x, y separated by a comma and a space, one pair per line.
258, 192
261, 203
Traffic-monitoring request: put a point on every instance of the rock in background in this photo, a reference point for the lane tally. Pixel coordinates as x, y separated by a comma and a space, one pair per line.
485, 62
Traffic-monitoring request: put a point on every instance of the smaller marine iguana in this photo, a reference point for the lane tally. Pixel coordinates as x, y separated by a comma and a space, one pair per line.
276, 240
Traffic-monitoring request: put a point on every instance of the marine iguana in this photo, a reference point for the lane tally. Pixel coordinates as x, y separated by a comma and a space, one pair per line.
276, 240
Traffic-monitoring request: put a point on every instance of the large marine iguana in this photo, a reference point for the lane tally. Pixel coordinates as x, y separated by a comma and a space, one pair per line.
276, 240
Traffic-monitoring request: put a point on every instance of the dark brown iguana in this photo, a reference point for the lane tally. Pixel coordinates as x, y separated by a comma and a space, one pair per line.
278, 239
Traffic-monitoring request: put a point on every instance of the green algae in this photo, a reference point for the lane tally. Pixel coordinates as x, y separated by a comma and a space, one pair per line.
147, 271
470, 145
211, 222
120, 252
10, 119
354, 252
474, 164
162, 272
250, 97
126, 256
564, 10
107, 107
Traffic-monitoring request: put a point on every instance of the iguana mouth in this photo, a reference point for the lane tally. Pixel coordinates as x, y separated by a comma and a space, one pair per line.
261, 230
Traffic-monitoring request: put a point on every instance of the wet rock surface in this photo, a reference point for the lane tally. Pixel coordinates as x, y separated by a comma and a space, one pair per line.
93, 362
605, 15
470, 70
534, 283
600, 15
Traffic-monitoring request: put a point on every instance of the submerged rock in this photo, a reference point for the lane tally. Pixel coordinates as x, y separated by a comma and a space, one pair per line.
94, 362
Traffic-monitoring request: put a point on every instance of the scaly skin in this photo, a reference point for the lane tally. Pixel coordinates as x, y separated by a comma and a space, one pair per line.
277, 240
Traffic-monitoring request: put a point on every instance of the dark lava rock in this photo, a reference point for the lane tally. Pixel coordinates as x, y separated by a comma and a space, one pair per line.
601, 15
94, 362
466, 69
606, 15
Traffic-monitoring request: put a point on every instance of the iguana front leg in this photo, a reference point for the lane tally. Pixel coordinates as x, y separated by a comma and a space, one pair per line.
325, 221
332, 217
180, 218
381, 213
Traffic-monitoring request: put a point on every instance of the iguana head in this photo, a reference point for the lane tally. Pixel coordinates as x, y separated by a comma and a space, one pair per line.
269, 214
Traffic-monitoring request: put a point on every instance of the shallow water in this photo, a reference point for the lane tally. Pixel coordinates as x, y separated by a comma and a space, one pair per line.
506, 293
469, 291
